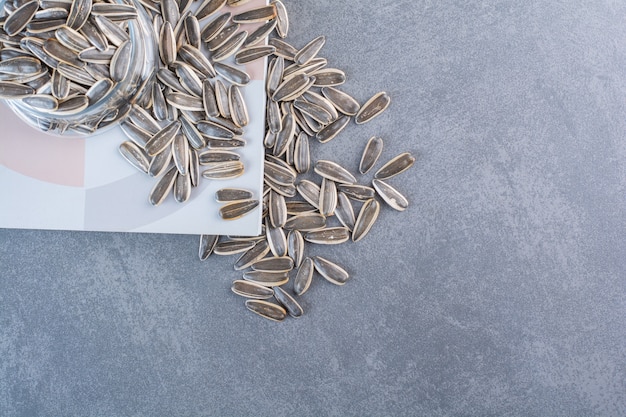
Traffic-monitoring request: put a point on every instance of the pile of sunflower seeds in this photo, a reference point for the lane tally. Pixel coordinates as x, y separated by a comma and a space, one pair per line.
304, 103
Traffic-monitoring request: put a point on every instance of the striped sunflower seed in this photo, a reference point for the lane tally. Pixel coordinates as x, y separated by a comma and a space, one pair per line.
251, 290
274, 264
207, 244
304, 277
268, 279
344, 211
328, 236
396, 166
259, 14
257, 252
291, 305
226, 195
238, 209
22, 16
373, 107
309, 51
295, 247
390, 195
371, 153
266, 309
232, 247
366, 219
334, 171
330, 271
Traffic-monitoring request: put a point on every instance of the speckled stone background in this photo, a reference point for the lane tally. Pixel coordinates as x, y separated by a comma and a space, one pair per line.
501, 291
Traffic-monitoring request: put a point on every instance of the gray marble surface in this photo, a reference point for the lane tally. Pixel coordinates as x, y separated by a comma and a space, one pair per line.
501, 291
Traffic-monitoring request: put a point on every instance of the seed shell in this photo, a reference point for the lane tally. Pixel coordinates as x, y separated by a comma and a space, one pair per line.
266, 309
390, 195
304, 277
330, 271
371, 153
373, 107
257, 252
18, 20
291, 305
328, 236
238, 209
344, 211
268, 279
366, 219
274, 264
163, 187
333, 171
226, 195
207, 244
251, 290
259, 14
232, 247
396, 166
309, 51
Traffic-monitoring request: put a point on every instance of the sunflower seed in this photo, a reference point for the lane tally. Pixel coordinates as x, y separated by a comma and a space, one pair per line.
180, 153
232, 74
396, 166
282, 19
118, 12
120, 62
302, 157
328, 236
192, 30
274, 75
330, 271
253, 53
208, 7
99, 90
79, 13
42, 102
167, 44
285, 136
19, 18
309, 191
334, 171
328, 198
342, 101
283, 49
212, 156
266, 309
371, 153
194, 57
321, 101
142, 118
232, 194
238, 209
260, 34
163, 138
214, 27
182, 188
110, 30
390, 195
313, 110
184, 101
287, 301
344, 211
208, 99
11, 90
194, 167
163, 187
309, 51
366, 219
189, 79
279, 174
373, 107
72, 105
295, 247
207, 244
214, 130
284, 190
304, 277
170, 12
291, 88
274, 264
225, 143
357, 191
277, 209
94, 36
273, 116
306, 222
230, 47
331, 131
232, 247
222, 37
44, 26
299, 207
223, 170
251, 290
267, 279
260, 14
96, 56
237, 105
329, 77
136, 156
258, 251
22, 65
160, 162
134, 133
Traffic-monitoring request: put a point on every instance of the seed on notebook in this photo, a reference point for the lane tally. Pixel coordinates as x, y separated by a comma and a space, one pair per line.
232, 74
214, 155
260, 34
182, 188
163, 187
253, 53
237, 105
223, 170
230, 47
222, 37
136, 156
214, 27
373, 107
162, 139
